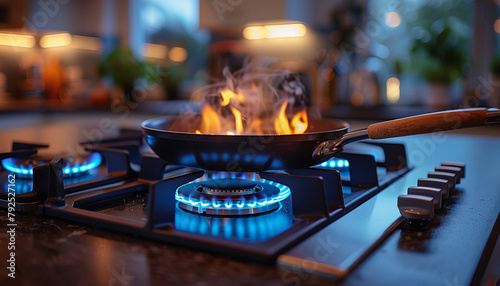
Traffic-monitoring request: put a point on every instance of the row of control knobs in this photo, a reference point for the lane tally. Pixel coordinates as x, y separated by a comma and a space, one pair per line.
422, 200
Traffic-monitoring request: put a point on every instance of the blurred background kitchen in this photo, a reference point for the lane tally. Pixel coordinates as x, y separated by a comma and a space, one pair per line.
373, 59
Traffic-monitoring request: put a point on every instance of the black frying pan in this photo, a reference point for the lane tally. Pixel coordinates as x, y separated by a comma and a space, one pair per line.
173, 138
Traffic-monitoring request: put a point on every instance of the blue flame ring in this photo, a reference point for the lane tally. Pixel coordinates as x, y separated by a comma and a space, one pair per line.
334, 163
259, 199
91, 162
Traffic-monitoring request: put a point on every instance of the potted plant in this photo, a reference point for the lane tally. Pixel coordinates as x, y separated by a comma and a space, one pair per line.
439, 58
125, 69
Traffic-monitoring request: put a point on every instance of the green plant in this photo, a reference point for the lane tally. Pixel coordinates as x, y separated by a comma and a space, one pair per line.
440, 58
125, 69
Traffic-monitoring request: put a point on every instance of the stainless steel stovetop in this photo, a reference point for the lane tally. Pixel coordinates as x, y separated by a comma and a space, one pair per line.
366, 241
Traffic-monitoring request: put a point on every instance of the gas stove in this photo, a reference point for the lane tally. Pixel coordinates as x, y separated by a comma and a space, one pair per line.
423, 212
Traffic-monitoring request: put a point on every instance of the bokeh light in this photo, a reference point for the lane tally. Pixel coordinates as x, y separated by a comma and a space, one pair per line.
392, 19
496, 26
177, 54
393, 90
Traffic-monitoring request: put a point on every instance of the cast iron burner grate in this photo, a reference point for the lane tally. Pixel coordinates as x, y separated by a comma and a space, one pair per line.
105, 163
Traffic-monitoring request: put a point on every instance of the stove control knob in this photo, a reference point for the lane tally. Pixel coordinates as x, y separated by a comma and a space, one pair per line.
416, 207
451, 178
434, 193
456, 165
435, 183
453, 170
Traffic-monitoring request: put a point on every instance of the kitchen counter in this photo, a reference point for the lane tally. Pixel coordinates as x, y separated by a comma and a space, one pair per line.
57, 252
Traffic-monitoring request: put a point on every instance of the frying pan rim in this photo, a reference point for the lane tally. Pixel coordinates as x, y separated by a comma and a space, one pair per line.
148, 130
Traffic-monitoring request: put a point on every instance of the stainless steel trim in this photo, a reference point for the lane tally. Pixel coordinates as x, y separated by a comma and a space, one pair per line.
493, 115
333, 252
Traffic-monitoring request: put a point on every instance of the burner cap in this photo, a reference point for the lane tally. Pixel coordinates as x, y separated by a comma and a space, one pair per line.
228, 186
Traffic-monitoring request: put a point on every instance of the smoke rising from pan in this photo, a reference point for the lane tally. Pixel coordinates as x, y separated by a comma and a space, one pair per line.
250, 101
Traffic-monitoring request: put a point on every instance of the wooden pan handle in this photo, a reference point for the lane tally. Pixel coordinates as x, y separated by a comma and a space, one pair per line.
431, 122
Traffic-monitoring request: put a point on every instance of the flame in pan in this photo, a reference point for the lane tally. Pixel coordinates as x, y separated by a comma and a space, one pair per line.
281, 123
299, 122
212, 123
227, 95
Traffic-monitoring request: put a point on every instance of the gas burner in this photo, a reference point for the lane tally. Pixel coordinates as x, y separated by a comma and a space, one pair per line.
230, 195
73, 165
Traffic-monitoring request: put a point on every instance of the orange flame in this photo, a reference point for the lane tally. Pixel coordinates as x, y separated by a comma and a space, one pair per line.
237, 120
255, 127
281, 123
228, 94
299, 122
212, 122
